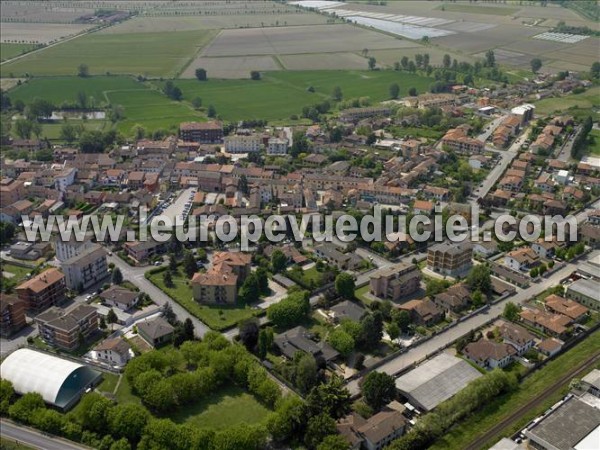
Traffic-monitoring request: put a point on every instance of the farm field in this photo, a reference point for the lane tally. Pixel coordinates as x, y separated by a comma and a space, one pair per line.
227, 407
594, 149
38, 33
148, 54
47, 11
471, 9
324, 61
8, 51
297, 40
231, 67
147, 24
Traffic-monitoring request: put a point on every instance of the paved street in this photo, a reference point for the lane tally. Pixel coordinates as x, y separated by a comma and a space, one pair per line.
420, 352
136, 276
35, 439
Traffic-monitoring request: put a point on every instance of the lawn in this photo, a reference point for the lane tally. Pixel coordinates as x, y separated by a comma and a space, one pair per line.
109, 382
148, 54
8, 51
360, 294
9, 444
124, 394
464, 433
227, 407
216, 317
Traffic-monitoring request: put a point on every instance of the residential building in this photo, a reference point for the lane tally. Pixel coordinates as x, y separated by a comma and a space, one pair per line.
395, 282
523, 112
86, 269
344, 261
43, 290
346, 310
356, 114
202, 132
242, 143
450, 259
552, 324
381, 429
522, 259
454, 299
550, 346
143, 250
545, 249
300, 340
591, 382
114, 352
67, 328
571, 309
119, 297
423, 312
219, 285
489, 354
12, 315
277, 146
458, 140
77, 243
585, 292
156, 332
517, 336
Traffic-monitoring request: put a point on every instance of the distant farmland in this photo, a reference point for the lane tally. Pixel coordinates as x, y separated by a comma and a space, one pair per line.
148, 54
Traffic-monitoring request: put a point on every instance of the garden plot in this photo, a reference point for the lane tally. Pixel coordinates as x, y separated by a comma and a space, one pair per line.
561, 37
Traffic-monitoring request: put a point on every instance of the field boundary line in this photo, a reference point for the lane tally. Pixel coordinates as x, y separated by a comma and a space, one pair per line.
206, 41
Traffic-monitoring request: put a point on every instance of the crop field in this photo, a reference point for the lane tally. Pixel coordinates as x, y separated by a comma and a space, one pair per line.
387, 58
231, 67
8, 51
148, 54
297, 40
38, 33
147, 24
324, 61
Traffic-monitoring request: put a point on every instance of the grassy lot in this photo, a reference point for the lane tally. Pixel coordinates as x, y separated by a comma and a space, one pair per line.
469, 9
8, 51
216, 317
148, 54
460, 436
109, 382
18, 271
227, 407
360, 294
584, 101
124, 394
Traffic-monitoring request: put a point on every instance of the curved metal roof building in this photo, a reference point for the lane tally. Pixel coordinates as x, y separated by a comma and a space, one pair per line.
60, 382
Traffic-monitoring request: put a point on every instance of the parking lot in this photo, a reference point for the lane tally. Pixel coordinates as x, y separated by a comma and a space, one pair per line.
180, 207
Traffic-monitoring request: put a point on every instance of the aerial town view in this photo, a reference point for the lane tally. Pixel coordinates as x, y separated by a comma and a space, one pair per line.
300, 224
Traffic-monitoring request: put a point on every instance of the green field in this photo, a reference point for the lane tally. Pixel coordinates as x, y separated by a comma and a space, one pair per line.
148, 54
18, 273
464, 433
8, 51
216, 317
227, 407
280, 94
